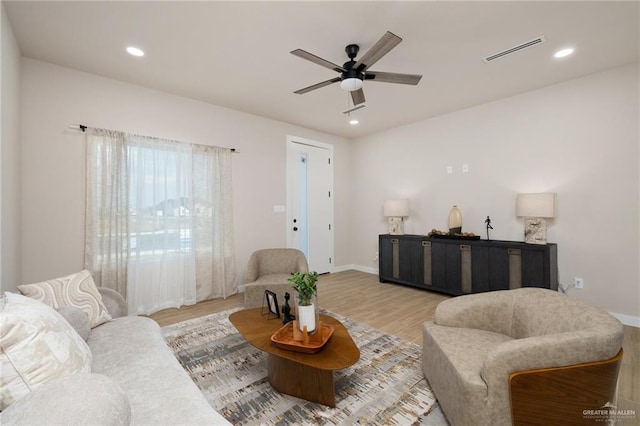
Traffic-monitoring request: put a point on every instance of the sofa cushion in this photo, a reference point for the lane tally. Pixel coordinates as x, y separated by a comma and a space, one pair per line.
77, 318
77, 290
131, 351
38, 346
94, 399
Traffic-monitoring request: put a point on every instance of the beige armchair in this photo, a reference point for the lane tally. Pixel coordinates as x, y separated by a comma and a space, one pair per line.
269, 269
524, 356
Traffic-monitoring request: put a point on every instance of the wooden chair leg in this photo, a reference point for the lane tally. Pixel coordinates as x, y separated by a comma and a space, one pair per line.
560, 396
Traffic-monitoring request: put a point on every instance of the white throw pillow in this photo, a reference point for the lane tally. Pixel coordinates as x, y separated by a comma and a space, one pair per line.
37, 346
76, 290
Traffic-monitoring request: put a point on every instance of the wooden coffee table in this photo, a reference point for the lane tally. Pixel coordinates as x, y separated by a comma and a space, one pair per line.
306, 376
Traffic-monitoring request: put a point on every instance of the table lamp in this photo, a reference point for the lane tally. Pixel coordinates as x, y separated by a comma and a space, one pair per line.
536, 208
396, 211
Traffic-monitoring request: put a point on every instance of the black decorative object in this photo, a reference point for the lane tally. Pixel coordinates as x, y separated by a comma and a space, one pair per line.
488, 222
286, 310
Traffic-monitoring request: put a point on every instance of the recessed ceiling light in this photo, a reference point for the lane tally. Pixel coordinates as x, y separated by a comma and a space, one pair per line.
564, 52
353, 122
135, 51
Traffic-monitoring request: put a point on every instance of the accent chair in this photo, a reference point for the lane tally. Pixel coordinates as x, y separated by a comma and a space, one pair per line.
522, 356
269, 269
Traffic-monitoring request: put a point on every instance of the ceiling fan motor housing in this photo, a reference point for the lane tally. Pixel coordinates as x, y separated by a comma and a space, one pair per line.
350, 71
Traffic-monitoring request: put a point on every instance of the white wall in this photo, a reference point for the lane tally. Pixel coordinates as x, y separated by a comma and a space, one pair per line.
579, 139
10, 179
54, 171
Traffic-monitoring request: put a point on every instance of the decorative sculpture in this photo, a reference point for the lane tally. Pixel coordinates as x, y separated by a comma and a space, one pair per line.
286, 310
488, 222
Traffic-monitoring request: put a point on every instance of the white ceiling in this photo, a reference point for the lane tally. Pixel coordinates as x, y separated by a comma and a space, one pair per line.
236, 54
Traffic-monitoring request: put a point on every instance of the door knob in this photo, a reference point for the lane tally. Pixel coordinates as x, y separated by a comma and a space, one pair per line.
295, 228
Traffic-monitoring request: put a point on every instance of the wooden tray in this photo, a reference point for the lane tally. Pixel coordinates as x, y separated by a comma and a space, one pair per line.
283, 338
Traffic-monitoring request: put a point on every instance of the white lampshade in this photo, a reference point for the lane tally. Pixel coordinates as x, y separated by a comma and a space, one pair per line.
351, 84
536, 205
396, 208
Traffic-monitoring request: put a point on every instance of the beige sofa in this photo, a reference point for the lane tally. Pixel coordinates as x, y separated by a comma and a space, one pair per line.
269, 269
135, 379
483, 355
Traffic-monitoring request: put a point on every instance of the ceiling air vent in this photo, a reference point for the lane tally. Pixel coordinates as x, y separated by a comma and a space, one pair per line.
514, 49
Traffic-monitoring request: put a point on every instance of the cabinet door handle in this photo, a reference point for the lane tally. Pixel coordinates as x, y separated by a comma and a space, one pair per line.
426, 244
395, 241
465, 247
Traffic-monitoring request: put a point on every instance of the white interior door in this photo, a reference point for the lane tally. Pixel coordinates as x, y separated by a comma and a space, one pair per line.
310, 201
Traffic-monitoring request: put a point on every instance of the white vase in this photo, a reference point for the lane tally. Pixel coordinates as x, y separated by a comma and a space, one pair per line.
307, 316
455, 221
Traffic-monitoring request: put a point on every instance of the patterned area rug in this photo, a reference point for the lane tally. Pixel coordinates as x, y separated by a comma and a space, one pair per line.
385, 387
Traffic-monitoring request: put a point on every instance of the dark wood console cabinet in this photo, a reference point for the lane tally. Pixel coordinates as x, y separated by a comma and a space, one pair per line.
457, 267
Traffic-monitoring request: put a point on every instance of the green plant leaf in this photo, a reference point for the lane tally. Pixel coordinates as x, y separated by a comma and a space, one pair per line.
305, 284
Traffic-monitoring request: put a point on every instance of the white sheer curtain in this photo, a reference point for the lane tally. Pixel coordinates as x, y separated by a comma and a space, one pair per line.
213, 224
106, 252
162, 258
179, 221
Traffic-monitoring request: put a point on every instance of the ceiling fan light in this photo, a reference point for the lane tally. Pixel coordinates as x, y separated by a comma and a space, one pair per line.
351, 84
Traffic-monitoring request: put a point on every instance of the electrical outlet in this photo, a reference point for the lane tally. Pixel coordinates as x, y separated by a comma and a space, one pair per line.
449, 170
375, 258
465, 168
578, 282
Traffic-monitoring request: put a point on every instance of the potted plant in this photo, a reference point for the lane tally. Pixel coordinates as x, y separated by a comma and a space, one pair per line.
304, 283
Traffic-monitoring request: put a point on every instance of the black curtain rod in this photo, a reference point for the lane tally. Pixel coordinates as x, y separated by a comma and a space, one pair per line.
84, 128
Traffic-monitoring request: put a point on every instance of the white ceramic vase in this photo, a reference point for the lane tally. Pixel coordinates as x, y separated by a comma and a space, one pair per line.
307, 316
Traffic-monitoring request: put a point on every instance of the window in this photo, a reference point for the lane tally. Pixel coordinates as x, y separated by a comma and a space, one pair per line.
159, 225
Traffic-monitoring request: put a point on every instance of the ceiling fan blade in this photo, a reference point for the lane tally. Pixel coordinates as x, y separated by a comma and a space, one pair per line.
392, 77
377, 51
317, 60
358, 97
317, 86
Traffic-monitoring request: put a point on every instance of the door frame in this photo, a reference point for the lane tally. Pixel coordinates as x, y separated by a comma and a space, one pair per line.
289, 184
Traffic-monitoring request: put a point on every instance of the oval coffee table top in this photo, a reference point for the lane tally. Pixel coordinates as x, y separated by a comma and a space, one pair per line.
338, 353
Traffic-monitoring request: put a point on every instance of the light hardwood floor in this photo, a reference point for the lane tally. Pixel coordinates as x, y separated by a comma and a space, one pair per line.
401, 310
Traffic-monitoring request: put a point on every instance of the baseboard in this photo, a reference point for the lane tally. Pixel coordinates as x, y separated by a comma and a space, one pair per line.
360, 268
629, 320
341, 268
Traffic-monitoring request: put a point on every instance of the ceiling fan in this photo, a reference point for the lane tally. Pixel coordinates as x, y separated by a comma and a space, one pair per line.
353, 73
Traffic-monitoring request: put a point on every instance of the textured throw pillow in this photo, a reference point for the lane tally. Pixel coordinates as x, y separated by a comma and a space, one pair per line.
77, 290
37, 346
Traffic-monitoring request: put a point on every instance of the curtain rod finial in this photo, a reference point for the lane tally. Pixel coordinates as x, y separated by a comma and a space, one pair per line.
81, 127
